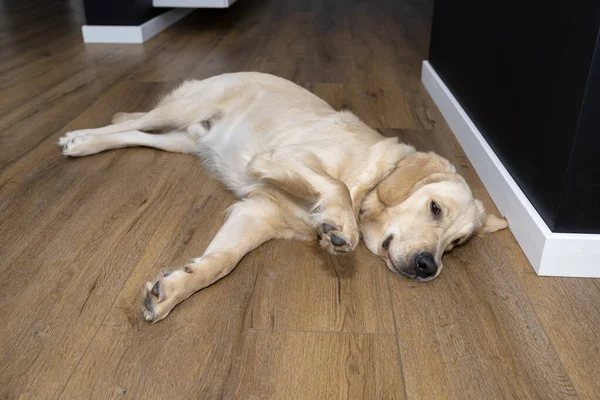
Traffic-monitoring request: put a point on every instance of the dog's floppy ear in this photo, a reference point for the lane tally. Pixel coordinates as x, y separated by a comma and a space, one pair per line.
489, 222
411, 174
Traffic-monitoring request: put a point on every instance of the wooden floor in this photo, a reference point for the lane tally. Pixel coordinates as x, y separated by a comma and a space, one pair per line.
78, 237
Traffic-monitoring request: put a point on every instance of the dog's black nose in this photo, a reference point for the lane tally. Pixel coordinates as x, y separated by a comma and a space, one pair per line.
426, 266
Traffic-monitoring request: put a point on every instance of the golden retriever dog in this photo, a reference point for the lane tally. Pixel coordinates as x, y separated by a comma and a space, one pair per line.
301, 171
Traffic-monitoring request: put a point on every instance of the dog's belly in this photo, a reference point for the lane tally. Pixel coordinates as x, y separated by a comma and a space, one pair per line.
261, 121
228, 148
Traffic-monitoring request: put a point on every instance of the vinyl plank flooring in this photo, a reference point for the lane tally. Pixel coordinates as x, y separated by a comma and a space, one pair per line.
65, 281
240, 48
41, 184
56, 267
344, 294
476, 329
570, 311
291, 365
197, 352
25, 125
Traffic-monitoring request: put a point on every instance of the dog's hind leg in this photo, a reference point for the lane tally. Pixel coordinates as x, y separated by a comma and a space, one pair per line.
159, 118
192, 103
123, 116
250, 223
174, 141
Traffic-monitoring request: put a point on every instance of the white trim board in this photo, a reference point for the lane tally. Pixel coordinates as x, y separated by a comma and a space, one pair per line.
132, 34
550, 253
193, 3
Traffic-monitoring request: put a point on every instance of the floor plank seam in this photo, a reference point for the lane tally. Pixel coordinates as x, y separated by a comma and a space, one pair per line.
400, 363
246, 327
317, 331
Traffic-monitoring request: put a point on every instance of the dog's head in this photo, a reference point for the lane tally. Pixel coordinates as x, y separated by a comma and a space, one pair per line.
423, 209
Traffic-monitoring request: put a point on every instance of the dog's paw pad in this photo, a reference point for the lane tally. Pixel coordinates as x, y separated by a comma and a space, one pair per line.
332, 239
157, 291
337, 241
149, 304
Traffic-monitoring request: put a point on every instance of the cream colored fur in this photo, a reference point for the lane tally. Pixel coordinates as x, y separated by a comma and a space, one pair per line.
301, 171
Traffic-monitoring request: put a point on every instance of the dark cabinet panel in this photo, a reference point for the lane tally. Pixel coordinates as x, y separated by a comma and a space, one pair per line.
520, 70
579, 209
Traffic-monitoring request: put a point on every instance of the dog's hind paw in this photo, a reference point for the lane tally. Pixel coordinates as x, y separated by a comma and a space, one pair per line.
77, 146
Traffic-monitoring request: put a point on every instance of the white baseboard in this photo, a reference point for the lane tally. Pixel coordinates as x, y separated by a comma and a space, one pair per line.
550, 253
194, 3
132, 34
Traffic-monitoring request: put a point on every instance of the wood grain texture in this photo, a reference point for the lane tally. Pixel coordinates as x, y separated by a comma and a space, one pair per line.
78, 237
344, 294
570, 312
488, 338
319, 366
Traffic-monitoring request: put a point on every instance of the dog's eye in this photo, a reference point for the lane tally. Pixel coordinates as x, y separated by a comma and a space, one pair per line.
435, 209
456, 242
386, 242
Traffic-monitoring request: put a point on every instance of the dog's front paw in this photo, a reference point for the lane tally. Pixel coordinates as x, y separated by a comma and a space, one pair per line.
162, 295
339, 235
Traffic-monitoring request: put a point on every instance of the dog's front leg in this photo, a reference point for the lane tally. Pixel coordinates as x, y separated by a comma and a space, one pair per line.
301, 174
250, 223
